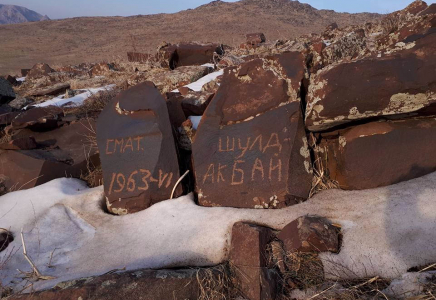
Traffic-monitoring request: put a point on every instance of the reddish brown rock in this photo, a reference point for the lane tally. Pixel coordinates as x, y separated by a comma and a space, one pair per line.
133, 285
403, 82
39, 70
38, 119
139, 57
249, 259
310, 234
137, 150
24, 72
429, 11
415, 7
250, 149
380, 153
187, 54
254, 39
101, 69
53, 90
7, 117
27, 143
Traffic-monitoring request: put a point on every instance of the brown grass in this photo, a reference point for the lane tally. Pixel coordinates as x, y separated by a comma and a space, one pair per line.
215, 283
95, 103
321, 181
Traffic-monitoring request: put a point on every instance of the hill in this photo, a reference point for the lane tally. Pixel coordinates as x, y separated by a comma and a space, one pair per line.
13, 14
86, 39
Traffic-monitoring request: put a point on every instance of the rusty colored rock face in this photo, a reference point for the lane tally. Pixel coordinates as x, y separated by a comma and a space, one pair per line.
380, 153
188, 54
254, 39
250, 150
310, 234
248, 256
39, 70
137, 150
402, 82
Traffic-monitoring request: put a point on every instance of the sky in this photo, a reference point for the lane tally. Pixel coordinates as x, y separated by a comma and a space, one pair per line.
57, 9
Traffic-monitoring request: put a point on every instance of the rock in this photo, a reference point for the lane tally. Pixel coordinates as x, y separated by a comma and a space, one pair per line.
53, 90
39, 70
402, 82
250, 150
188, 54
6, 91
7, 117
429, 11
379, 153
137, 150
254, 39
249, 259
12, 80
310, 234
347, 47
27, 143
415, 7
132, 285
24, 72
20, 102
139, 57
5, 238
101, 69
332, 26
38, 119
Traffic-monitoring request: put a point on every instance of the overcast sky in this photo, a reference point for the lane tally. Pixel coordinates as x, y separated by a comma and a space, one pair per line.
57, 9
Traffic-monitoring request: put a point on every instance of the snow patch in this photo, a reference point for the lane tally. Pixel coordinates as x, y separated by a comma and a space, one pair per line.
197, 85
195, 121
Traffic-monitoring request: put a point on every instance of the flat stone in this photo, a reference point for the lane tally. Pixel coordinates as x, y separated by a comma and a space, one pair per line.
250, 150
27, 143
379, 153
310, 234
403, 82
137, 150
249, 259
38, 118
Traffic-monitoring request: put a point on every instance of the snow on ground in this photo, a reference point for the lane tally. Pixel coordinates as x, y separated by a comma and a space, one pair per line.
197, 85
386, 230
195, 121
76, 100
21, 79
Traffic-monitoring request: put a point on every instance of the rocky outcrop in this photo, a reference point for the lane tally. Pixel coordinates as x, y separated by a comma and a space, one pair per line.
250, 149
39, 70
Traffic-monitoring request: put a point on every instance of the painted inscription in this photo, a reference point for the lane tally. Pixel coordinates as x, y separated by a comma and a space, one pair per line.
140, 179
253, 159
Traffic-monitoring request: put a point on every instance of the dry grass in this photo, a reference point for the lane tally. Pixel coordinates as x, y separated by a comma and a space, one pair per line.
321, 180
391, 22
95, 103
215, 283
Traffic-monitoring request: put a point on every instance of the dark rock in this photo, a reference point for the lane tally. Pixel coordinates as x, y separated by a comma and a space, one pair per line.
7, 117
53, 90
310, 234
137, 150
249, 258
5, 238
188, 54
132, 285
38, 119
12, 80
254, 39
24, 72
332, 26
6, 91
27, 143
250, 149
380, 153
429, 11
20, 102
39, 70
403, 82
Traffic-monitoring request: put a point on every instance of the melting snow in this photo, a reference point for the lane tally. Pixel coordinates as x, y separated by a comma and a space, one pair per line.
76, 100
197, 85
195, 121
386, 230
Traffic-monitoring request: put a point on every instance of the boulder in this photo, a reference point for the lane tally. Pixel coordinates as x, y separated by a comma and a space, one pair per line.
254, 39
39, 70
101, 69
6, 91
137, 150
248, 257
310, 234
379, 153
132, 285
188, 54
26, 143
24, 72
250, 150
53, 90
403, 82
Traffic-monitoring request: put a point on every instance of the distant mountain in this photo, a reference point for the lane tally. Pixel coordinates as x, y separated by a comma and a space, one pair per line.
13, 14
